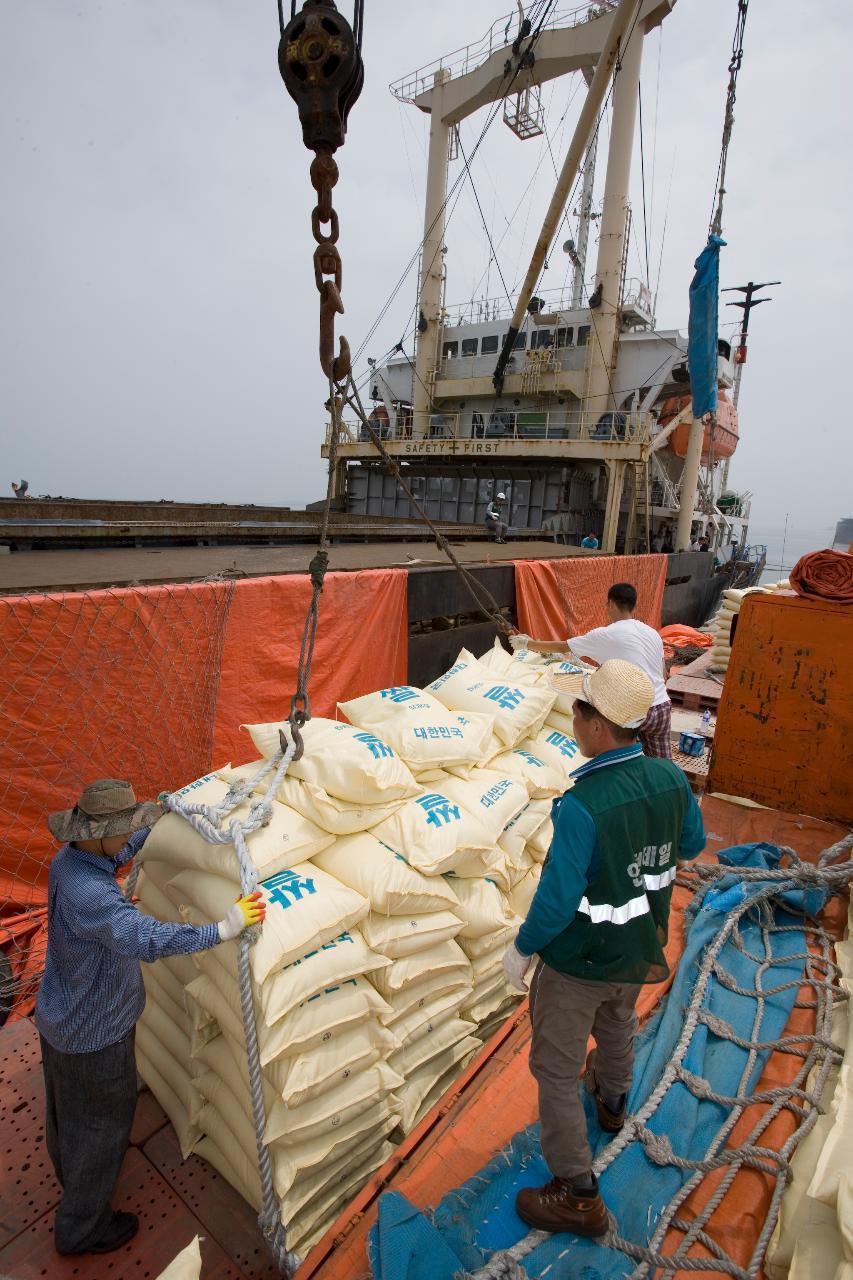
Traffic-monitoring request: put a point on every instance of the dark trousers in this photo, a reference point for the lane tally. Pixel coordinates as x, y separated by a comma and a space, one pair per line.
90, 1100
565, 1012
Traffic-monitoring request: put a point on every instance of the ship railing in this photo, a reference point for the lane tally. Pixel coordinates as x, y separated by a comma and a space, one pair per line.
527, 426
499, 36
485, 310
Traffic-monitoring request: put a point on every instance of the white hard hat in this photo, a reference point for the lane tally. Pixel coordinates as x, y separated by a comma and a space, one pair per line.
502, 495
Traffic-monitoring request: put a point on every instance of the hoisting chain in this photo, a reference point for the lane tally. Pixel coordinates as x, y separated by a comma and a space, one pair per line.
327, 262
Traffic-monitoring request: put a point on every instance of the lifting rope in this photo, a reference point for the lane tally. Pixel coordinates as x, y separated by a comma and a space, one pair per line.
716, 227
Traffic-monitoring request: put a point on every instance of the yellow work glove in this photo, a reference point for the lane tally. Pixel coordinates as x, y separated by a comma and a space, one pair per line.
247, 911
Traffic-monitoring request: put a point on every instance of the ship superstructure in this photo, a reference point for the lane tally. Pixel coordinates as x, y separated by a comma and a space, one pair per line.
576, 406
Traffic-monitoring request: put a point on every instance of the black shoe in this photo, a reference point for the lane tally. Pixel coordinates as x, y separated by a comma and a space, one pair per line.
123, 1227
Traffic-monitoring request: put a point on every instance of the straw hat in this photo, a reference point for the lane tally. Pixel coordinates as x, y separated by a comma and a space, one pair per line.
619, 690
106, 808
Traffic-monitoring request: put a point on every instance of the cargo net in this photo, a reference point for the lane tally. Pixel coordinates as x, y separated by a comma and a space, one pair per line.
744, 1131
114, 683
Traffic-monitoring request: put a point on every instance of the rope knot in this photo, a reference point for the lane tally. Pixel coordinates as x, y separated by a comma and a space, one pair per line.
318, 568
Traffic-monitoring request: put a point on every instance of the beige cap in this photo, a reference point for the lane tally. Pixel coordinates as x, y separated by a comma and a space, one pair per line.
106, 808
621, 691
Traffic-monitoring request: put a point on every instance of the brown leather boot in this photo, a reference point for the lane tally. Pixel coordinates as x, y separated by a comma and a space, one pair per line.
610, 1121
556, 1207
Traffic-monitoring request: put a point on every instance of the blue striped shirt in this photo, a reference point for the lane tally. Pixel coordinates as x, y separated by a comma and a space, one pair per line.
91, 994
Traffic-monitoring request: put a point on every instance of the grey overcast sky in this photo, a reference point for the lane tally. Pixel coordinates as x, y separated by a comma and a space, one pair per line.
159, 318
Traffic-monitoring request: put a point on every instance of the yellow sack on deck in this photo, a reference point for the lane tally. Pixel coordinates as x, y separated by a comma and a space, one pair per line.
519, 708
384, 877
420, 728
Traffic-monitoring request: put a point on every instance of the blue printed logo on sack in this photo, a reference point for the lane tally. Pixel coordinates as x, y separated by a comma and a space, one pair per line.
506, 698
378, 749
494, 793
438, 809
400, 693
531, 759
436, 684
327, 946
286, 887
566, 746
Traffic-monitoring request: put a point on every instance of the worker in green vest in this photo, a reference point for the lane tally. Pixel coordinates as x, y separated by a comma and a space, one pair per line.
598, 923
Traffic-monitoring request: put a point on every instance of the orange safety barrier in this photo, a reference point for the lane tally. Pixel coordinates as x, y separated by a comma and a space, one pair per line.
496, 1095
559, 598
151, 684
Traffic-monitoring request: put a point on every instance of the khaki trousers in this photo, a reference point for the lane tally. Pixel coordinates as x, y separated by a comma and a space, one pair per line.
565, 1012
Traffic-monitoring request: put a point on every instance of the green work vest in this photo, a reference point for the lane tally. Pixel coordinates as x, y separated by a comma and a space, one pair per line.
620, 929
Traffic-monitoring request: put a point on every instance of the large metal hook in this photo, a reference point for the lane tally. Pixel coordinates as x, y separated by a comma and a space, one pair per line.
334, 366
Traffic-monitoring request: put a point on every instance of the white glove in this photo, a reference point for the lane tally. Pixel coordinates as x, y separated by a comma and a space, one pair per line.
246, 912
515, 967
518, 641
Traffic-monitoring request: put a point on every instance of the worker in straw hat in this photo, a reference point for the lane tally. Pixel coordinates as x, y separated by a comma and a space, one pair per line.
598, 923
89, 1001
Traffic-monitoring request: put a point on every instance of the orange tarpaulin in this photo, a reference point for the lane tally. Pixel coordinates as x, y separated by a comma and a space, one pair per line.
150, 684
559, 598
362, 641
826, 575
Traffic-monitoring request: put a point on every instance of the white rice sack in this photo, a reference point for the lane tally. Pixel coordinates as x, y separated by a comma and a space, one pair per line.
488, 965
563, 724
349, 763
419, 1086
492, 796
441, 964
476, 948
539, 844
384, 877
350, 1170
560, 750
317, 1020
521, 895
186, 1265
486, 999
321, 1070
445, 1033
435, 833
501, 663
291, 1126
305, 908
515, 837
287, 839
338, 817
419, 727
422, 993
483, 907
542, 780
519, 709
421, 1019
290, 1162
343, 957
398, 936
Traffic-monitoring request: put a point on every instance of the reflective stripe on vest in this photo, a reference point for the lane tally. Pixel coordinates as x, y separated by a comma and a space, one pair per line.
639, 906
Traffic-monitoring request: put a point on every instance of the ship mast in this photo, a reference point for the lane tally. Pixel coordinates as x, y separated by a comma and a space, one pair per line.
449, 97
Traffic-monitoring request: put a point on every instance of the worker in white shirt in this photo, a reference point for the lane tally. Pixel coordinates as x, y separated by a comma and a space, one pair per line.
631, 640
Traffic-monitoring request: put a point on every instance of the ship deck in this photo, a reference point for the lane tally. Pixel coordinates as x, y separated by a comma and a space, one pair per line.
89, 569
176, 1201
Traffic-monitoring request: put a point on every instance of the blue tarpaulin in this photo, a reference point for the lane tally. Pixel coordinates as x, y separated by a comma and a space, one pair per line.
702, 331
478, 1218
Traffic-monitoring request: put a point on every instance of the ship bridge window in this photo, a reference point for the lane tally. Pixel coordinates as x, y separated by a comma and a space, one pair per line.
520, 342
565, 336
449, 350
469, 346
583, 335
489, 345
541, 338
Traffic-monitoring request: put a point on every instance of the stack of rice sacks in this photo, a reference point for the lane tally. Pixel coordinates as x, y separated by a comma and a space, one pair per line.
402, 853
720, 625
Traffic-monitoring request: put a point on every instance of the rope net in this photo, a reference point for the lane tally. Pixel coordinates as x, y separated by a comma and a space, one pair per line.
119, 682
